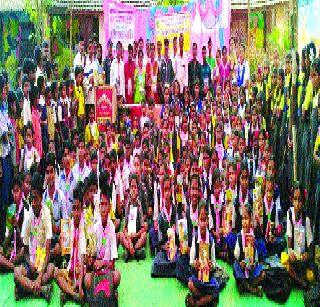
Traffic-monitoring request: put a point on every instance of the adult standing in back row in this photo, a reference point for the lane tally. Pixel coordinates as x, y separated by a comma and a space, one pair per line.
166, 69
194, 69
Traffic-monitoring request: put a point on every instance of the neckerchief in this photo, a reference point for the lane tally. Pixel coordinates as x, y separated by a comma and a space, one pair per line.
166, 213
217, 203
35, 225
75, 254
268, 209
240, 78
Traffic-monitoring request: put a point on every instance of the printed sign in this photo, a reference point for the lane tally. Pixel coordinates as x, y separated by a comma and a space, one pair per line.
106, 105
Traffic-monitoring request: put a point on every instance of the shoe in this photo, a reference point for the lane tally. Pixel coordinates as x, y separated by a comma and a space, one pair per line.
16, 293
47, 291
63, 299
188, 301
140, 254
152, 252
126, 256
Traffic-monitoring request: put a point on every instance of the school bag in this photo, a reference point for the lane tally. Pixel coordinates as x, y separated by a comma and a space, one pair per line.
312, 296
277, 284
102, 293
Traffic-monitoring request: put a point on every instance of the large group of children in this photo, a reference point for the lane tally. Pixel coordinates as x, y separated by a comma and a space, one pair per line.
215, 177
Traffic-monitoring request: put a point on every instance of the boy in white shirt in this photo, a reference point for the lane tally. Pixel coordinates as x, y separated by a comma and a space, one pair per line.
29, 154
34, 277
70, 281
105, 277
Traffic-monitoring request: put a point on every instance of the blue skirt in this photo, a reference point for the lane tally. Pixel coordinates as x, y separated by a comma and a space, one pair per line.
162, 267
153, 237
206, 288
260, 245
239, 273
231, 240
183, 269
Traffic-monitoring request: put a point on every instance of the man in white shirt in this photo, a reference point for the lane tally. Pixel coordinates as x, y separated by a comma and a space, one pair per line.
79, 59
26, 108
91, 63
181, 66
174, 54
242, 69
117, 72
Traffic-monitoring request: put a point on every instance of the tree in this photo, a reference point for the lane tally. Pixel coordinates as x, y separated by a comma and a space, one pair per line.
38, 13
171, 2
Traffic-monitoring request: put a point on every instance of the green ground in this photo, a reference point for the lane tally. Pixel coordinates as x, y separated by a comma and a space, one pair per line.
137, 288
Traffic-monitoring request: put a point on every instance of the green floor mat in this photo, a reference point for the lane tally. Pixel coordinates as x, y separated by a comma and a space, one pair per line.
137, 288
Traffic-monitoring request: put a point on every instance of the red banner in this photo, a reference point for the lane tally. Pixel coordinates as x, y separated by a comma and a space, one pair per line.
105, 104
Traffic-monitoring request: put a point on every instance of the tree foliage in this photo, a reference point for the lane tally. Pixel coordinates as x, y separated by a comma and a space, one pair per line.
279, 40
171, 2
38, 14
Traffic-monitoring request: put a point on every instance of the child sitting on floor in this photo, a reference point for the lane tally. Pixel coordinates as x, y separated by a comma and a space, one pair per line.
105, 277
134, 235
247, 271
70, 280
34, 276
185, 231
202, 284
164, 263
13, 247
300, 238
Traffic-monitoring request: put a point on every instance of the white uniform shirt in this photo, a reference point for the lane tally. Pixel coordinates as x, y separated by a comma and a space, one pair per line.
117, 76
42, 231
106, 240
26, 111
78, 60
181, 70
81, 241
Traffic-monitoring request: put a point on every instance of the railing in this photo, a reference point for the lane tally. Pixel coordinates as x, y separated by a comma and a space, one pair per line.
96, 5
243, 4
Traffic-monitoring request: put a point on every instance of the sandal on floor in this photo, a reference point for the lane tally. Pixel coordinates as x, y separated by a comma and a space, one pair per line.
188, 300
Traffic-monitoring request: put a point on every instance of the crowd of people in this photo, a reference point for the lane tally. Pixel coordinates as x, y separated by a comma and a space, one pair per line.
229, 171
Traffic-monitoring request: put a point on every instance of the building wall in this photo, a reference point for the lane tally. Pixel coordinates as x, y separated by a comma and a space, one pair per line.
277, 15
239, 25
102, 40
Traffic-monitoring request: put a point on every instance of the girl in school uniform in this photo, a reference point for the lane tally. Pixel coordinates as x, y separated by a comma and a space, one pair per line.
134, 235
278, 102
12, 251
268, 226
314, 124
164, 263
215, 213
243, 197
186, 225
247, 270
203, 286
300, 239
